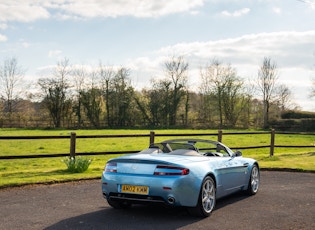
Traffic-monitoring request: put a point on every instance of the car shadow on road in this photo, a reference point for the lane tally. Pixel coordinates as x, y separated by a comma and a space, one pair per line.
139, 217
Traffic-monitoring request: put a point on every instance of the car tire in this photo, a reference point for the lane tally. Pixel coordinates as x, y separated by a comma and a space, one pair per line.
254, 181
118, 204
206, 200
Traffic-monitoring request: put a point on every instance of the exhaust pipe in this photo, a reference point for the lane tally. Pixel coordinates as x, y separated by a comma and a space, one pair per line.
171, 200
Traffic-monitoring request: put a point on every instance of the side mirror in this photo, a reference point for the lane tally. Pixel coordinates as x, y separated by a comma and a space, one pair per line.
238, 153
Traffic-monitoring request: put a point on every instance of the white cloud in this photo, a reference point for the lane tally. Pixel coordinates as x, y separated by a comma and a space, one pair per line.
276, 10
23, 11
247, 50
285, 46
25, 44
136, 8
3, 38
3, 26
236, 13
54, 53
309, 3
31, 10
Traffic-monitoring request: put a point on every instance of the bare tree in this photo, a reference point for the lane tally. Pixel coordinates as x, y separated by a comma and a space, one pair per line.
120, 99
11, 79
79, 75
106, 76
55, 92
92, 99
206, 113
283, 97
176, 69
212, 78
266, 82
233, 98
160, 101
222, 83
141, 100
247, 104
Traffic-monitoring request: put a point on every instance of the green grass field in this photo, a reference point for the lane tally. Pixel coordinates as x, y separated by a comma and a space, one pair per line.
51, 170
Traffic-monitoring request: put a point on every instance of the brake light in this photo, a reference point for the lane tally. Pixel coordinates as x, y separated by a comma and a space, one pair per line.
167, 170
111, 167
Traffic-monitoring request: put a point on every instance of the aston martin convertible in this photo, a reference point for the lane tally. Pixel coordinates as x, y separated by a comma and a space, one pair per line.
192, 173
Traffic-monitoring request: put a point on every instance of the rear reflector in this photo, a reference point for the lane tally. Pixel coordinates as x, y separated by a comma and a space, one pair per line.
167, 170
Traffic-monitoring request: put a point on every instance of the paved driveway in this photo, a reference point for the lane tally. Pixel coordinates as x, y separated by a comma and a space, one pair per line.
286, 200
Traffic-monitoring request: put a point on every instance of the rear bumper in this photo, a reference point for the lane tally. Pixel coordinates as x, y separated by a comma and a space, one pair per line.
172, 190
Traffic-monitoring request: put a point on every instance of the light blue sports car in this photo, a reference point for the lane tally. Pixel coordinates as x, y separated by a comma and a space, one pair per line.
184, 172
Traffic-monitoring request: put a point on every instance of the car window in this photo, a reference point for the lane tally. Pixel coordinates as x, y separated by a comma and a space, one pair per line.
175, 146
221, 149
165, 148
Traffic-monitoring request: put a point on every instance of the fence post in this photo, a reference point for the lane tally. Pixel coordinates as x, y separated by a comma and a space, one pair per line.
220, 135
272, 143
152, 134
72, 144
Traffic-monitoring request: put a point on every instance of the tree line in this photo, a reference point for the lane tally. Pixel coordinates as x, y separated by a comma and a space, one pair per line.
72, 96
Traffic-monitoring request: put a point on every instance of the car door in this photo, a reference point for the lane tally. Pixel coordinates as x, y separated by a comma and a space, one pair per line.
236, 174
231, 172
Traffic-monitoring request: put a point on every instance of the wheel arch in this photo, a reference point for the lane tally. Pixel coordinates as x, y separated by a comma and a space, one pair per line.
249, 190
257, 164
210, 174
201, 208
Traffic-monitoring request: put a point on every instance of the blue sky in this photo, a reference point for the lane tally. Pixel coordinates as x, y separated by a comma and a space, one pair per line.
140, 34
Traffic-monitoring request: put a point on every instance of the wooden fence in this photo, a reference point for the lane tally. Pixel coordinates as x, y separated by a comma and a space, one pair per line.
151, 136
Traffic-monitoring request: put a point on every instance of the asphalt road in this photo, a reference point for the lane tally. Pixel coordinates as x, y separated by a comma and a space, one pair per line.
286, 200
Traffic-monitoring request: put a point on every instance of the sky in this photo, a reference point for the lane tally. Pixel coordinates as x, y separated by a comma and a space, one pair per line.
142, 34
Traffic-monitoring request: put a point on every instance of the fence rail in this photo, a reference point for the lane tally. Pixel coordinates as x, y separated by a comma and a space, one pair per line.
151, 136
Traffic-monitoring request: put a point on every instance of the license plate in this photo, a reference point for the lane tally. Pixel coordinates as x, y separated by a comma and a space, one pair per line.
143, 190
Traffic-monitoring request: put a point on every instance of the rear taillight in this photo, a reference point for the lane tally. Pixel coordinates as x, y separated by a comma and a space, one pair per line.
167, 170
111, 167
